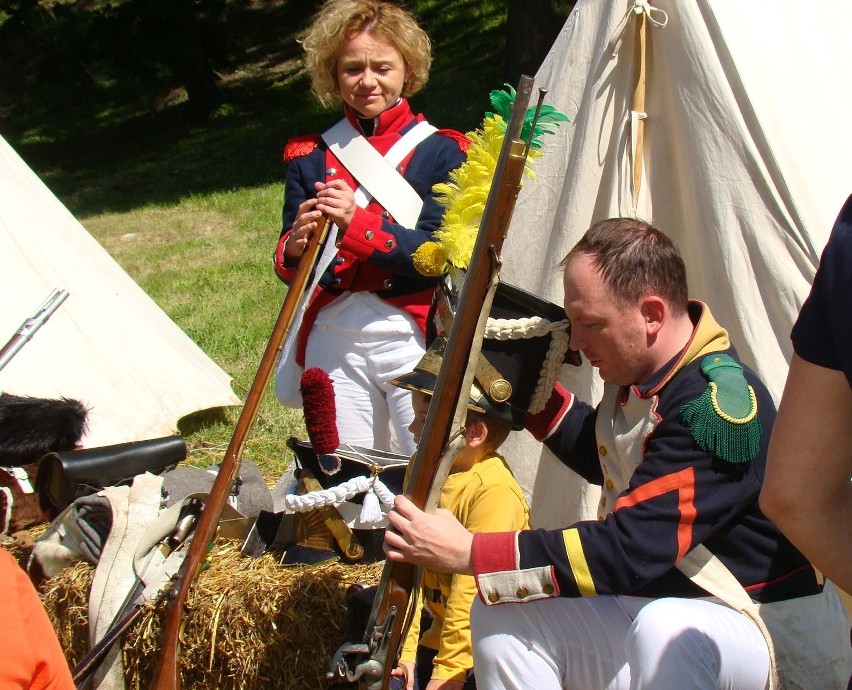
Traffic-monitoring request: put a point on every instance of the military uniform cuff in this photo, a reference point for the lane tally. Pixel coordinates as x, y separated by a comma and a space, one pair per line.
365, 236
542, 424
517, 586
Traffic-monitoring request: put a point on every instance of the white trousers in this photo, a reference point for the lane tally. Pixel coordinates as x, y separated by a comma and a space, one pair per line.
617, 643
363, 342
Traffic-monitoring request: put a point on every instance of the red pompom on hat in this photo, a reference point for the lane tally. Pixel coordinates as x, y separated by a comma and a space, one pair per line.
320, 411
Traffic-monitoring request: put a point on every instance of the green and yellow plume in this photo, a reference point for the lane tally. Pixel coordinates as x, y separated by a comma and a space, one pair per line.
464, 196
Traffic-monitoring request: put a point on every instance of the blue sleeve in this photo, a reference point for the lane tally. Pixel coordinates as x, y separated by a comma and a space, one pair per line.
822, 334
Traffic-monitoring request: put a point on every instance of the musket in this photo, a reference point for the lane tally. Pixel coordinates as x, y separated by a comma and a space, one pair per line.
28, 328
371, 662
167, 673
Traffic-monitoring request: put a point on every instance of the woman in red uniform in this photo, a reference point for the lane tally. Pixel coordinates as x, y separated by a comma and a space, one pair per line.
372, 175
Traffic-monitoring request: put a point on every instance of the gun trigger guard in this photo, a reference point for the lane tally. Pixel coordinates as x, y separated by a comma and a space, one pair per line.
356, 661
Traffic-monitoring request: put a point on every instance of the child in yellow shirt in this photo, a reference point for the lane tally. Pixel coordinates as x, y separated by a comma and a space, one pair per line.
480, 491
484, 496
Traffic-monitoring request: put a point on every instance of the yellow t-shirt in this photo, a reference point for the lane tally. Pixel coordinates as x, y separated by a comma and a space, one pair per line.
485, 498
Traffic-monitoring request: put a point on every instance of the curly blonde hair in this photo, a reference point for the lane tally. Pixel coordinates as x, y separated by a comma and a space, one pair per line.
339, 20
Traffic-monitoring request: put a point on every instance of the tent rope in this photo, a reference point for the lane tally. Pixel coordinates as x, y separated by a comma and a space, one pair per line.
658, 19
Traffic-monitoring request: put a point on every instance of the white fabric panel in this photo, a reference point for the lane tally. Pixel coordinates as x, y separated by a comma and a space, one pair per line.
746, 164
108, 345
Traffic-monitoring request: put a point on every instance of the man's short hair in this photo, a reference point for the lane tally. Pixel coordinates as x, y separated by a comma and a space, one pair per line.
635, 259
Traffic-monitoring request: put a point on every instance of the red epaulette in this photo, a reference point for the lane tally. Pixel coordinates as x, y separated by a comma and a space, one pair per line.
463, 142
300, 146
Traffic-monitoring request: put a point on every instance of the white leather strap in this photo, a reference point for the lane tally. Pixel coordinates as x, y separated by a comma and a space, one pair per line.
376, 174
709, 573
706, 570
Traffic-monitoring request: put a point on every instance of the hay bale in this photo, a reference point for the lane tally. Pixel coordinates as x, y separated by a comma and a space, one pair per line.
251, 623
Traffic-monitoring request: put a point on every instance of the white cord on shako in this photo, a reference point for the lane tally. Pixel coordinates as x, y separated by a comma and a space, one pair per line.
374, 488
371, 513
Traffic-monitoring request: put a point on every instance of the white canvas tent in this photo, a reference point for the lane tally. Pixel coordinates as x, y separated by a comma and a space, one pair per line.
108, 344
739, 147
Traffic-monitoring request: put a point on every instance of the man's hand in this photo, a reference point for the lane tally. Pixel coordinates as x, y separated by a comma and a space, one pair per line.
438, 542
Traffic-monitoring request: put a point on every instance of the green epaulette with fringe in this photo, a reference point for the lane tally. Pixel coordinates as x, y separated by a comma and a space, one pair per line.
723, 419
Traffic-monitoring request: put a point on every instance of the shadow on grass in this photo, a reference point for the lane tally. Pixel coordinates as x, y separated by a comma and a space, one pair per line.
203, 419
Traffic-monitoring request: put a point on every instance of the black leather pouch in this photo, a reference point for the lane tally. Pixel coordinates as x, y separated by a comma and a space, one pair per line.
63, 477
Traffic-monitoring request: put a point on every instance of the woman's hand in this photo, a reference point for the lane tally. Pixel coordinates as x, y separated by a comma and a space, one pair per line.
336, 200
308, 219
437, 541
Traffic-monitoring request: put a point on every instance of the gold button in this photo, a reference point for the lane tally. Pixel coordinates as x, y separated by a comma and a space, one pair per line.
548, 589
389, 244
602, 450
369, 234
500, 390
601, 517
609, 484
493, 597
603, 501
521, 593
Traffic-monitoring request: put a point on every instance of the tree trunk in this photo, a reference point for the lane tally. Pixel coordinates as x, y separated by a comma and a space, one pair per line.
531, 27
181, 32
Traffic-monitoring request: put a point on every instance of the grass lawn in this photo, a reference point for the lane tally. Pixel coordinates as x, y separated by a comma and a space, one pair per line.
206, 261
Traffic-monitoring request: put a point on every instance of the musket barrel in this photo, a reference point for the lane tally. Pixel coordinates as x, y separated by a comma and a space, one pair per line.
29, 327
167, 673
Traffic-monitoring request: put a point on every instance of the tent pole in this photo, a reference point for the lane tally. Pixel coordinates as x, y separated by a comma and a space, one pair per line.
638, 107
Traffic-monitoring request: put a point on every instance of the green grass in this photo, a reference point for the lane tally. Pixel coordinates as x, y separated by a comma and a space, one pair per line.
206, 261
191, 210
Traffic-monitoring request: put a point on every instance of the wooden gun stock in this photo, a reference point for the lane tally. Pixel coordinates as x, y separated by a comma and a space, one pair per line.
167, 673
372, 662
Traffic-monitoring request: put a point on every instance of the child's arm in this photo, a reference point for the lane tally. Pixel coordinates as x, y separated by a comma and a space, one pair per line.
408, 656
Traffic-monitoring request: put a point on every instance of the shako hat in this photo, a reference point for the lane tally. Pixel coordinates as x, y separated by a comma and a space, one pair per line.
524, 347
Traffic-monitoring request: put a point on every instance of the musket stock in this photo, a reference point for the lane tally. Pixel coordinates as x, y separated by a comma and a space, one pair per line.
371, 663
167, 673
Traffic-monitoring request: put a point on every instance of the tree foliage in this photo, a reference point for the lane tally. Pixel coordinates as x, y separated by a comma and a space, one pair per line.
90, 87
531, 28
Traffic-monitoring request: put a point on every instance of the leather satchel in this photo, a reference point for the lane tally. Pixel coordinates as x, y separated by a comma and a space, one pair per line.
66, 476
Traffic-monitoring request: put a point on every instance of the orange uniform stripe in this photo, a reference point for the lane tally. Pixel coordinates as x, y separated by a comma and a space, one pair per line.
683, 483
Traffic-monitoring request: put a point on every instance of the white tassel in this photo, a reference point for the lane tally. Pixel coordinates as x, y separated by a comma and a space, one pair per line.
371, 511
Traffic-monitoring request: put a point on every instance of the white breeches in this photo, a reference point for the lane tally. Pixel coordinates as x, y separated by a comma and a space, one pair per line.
363, 342
617, 643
